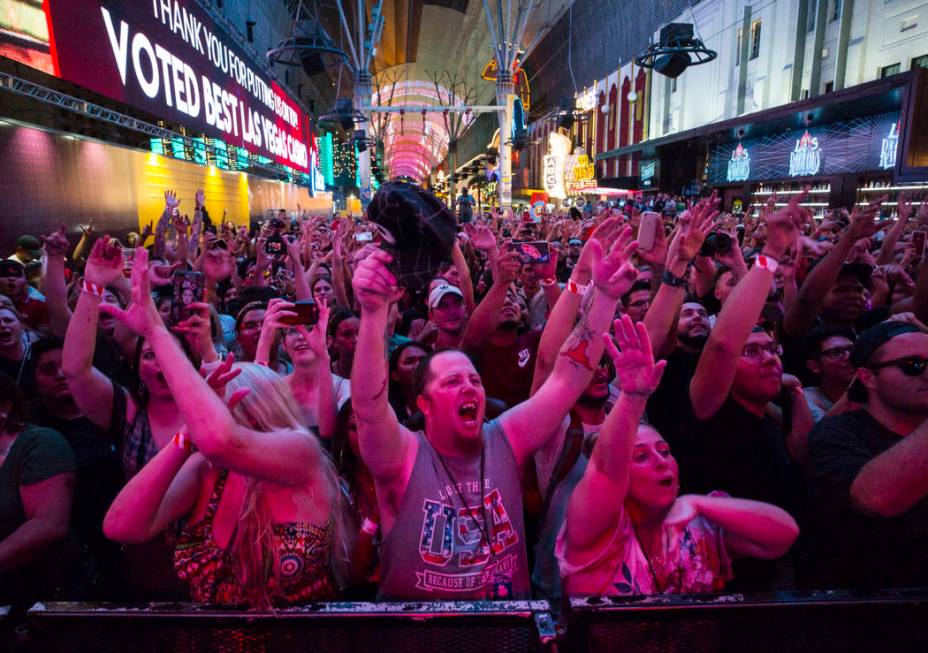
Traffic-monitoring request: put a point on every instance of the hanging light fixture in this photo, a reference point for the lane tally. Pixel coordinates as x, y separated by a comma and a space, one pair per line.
675, 51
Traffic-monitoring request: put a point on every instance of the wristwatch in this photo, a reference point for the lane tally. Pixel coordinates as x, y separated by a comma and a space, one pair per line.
671, 280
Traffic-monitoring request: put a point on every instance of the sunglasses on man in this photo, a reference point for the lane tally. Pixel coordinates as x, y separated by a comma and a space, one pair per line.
910, 365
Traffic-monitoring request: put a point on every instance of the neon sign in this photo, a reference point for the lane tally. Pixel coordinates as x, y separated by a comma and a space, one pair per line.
806, 157
889, 147
554, 163
739, 167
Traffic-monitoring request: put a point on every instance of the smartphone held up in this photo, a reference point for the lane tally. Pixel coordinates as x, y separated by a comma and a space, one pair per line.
307, 314
186, 288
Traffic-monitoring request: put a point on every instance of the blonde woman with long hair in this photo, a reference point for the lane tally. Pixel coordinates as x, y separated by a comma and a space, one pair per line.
265, 518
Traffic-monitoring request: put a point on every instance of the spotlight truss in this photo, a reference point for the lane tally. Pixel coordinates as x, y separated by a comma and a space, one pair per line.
675, 51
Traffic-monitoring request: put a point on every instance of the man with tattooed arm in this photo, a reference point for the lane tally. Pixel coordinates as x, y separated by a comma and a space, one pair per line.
450, 496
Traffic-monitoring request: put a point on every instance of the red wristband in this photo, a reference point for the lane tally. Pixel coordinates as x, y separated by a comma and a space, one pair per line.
182, 440
576, 288
92, 288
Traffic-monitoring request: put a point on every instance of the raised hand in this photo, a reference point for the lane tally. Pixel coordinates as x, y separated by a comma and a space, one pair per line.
277, 309
613, 273
784, 226
635, 369
56, 243
507, 267
87, 230
220, 377
141, 316
160, 274
200, 198
481, 237
316, 337
170, 201
547, 270
196, 329
700, 224
105, 264
862, 223
373, 282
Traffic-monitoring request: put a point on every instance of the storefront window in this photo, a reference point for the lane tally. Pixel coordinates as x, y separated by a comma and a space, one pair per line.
920, 62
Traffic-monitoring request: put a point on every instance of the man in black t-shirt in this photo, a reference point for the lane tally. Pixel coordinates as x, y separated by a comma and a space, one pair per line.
868, 468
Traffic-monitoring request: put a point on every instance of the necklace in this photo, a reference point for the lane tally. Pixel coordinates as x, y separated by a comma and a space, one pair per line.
647, 557
484, 525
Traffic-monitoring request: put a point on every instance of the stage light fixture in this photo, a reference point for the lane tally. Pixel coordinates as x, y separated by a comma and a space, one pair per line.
675, 51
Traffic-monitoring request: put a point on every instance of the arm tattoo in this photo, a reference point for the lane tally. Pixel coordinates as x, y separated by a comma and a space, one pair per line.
382, 390
575, 349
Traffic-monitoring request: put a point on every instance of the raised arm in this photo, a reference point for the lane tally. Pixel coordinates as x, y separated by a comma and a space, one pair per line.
481, 324
56, 290
91, 389
564, 314
303, 291
662, 314
285, 457
467, 284
716, 369
887, 252
801, 315
387, 448
530, 424
597, 501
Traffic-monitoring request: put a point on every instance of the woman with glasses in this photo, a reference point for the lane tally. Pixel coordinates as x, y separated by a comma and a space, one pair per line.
628, 531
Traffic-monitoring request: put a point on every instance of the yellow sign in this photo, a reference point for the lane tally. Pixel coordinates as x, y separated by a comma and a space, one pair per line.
580, 173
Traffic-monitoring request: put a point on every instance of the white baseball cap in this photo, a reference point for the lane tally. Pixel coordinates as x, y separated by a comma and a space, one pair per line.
440, 291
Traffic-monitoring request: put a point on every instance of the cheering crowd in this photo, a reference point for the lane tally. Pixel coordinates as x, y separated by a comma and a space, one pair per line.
647, 399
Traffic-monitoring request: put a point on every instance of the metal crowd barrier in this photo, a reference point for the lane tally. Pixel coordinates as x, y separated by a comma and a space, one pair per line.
515, 626
784, 621
776, 622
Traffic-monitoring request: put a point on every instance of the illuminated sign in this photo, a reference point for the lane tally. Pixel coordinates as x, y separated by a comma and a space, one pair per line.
579, 173
586, 101
853, 145
889, 148
739, 167
554, 162
806, 157
649, 171
169, 59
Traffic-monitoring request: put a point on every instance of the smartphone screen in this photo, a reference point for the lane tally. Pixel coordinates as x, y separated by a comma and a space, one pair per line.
186, 288
364, 236
307, 313
647, 230
127, 256
531, 252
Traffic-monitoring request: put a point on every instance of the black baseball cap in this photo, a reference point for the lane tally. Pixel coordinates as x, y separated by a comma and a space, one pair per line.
12, 268
867, 343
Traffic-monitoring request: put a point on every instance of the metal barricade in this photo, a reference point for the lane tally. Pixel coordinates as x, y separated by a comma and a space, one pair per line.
775, 622
516, 626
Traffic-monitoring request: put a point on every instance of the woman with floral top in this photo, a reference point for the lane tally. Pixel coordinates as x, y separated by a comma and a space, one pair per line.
627, 531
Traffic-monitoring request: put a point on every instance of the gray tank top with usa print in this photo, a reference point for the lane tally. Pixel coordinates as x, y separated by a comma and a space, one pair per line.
437, 549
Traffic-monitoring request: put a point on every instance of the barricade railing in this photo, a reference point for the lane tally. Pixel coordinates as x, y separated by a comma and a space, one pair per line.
784, 621
515, 626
